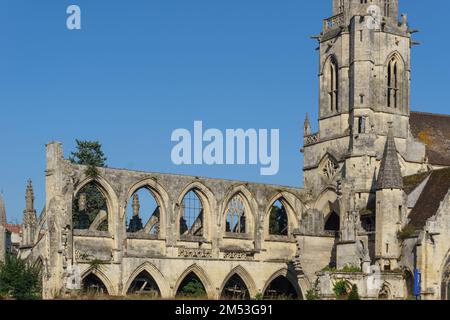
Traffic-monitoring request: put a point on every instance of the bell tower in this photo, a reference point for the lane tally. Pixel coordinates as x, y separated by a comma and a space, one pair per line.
364, 84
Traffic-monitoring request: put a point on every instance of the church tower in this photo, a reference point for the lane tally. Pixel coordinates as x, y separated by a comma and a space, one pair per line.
29, 218
364, 84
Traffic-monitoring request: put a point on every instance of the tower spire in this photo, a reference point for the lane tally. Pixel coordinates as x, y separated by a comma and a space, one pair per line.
29, 217
307, 126
390, 175
3, 220
136, 205
29, 197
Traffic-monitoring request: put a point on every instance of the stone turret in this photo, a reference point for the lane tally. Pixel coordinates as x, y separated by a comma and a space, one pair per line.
29, 217
136, 221
2, 211
2, 229
390, 207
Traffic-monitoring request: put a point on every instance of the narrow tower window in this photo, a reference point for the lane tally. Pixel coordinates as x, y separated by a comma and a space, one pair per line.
393, 84
387, 8
341, 6
333, 92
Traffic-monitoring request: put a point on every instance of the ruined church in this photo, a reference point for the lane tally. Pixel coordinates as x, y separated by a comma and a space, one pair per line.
374, 210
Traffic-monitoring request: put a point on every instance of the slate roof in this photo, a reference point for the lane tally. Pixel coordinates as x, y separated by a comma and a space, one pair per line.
390, 174
434, 131
410, 183
430, 200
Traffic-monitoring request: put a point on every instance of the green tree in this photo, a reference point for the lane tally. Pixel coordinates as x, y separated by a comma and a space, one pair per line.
278, 220
90, 154
192, 288
19, 280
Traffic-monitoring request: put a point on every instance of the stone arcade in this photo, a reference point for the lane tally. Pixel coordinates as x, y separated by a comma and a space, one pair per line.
375, 197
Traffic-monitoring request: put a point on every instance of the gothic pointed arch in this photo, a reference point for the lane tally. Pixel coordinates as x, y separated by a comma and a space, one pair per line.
194, 277
330, 207
153, 273
329, 166
330, 73
282, 284
193, 212
94, 281
157, 198
239, 212
285, 209
237, 281
94, 205
396, 82
385, 292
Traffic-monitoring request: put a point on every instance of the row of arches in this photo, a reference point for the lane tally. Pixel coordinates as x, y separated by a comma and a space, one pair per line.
194, 283
146, 211
395, 84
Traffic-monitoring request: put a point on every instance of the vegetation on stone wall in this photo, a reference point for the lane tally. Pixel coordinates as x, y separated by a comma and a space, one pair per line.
354, 294
342, 292
312, 295
18, 280
340, 289
407, 232
90, 154
347, 269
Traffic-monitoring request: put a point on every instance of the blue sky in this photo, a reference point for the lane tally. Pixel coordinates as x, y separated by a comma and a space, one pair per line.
139, 69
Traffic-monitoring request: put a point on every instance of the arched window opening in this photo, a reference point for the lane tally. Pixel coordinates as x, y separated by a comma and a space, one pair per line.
394, 77
235, 216
144, 285
235, 289
191, 287
92, 285
333, 223
143, 213
90, 211
281, 289
278, 220
384, 293
387, 8
191, 221
333, 80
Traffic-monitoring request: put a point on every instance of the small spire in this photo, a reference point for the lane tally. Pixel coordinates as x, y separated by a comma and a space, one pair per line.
2, 210
29, 197
307, 126
136, 205
390, 175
